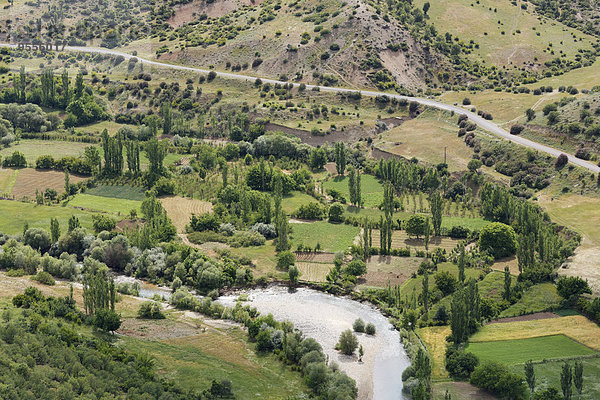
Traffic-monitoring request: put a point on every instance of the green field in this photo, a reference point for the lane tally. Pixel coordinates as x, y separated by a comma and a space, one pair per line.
537, 298
14, 214
294, 200
194, 361
33, 148
536, 349
118, 192
107, 204
371, 189
332, 237
547, 374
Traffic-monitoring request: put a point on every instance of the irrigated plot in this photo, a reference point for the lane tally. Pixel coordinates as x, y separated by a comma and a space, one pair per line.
400, 240
105, 204
313, 271
521, 350
180, 209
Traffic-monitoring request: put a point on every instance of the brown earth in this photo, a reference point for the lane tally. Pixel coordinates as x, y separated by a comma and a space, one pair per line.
528, 317
180, 209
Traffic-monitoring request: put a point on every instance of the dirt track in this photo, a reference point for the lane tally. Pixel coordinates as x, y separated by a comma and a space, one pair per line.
481, 122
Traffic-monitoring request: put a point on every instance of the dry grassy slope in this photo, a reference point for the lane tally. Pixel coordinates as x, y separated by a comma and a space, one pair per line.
356, 37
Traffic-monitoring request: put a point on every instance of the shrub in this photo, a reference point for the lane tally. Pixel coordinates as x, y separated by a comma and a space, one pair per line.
459, 363
358, 325
164, 187
311, 210
516, 129
246, 239
561, 161
336, 212
370, 329
495, 378
285, 259
498, 239
150, 310
583, 153
356, 268
103, 222
267, 230
44, 278
459, 232
466, 101
347, 343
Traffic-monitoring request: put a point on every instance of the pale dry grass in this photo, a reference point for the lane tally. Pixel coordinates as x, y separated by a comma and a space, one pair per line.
434, 337
576, 327
313, 272
180, 209
29, 179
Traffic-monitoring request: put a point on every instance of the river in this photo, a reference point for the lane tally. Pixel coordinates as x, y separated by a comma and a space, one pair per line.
323, 317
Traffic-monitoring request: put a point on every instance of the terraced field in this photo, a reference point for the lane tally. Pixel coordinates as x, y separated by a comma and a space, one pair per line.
180, 209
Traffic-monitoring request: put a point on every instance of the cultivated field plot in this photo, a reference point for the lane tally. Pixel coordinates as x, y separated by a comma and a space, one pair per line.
537, 298
118, 192
548, 374
371, 189
180, 209
521, 350
400, 240
581, 214
33, 148
29, 179
194, 361
15, 214
105, 204
576, 327
503, 106
7, 180
294, 200
386, 270
326, 258
425, 137
313, 271
434, 338
331, 237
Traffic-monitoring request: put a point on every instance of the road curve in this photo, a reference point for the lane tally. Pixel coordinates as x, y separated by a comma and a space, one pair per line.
481, 122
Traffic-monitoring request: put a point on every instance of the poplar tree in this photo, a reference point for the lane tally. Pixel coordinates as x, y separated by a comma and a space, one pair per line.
425, 294
352, 185
78, 86
340, 158
167, 114
507, 282
530, 377
436, 205
566, 380
578, 377
54, 229
65, 89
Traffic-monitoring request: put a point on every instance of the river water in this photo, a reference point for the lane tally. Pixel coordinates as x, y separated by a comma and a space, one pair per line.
323, 317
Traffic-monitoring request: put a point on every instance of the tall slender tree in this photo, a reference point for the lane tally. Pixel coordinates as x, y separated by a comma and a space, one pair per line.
425, 295
436, 205
167, 114
64, 79
340, 157
578, 377
506, 294
530, 377
54, 229
566, 381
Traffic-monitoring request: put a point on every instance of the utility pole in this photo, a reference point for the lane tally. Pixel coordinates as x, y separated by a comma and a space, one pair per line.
445, 147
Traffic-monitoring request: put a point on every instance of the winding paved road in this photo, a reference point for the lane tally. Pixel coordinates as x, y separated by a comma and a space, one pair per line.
481, 122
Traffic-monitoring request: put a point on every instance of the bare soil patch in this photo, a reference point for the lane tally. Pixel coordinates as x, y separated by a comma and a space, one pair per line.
528, 317
29, 179
156, 329
180, 209
187, 13
387, 270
